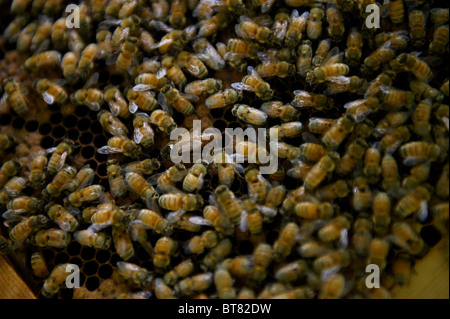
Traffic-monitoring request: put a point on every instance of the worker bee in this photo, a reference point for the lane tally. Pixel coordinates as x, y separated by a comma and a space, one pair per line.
12, 30
12, 188
105, 215
319, 125
6, 141
413, 203
167, 179
355, 152
396, 10
164, 248
143, 100
315, 100
383, 54
417, 152
416, 66
421, 118
143, 132
27, 226
213, 24
292, 271
223, 98
62, 178
86, 194
372, 169
297, 25
163, 291
192, 64
197, 244
51, 91
273, 67
440, 215
111, 124
87, 59
91, 97
424, 90
362, 194
398, 39
145, 167
229, 203
311, 210
337, 133
137, 184
42, 34
121, 144
389, 171
182, 270
134, 274
146, 81
177, 14
404, 236
360, 109
117, 184
285, 130
282, 247
14, 94
304, 60
195, 177
25, 37
335, 21
250, 30
300, 169
153, 221
127, 58
224, 283
254, 83
439, 16
90, 238
180, 203
200, 87
117, 103
395, 98
65, 220
69, 66
262, 258
122, 242
249, 114
194, 284
391, 120
354, 45
335, 229
217, 254
440, 40
314, 26
442, 183
163, 121
75, 42
212, 216
22, 204
235, 59
9, 169
417, 33
276, 109
330, 68
208, 54
57, 279
39, 265
171, 97
104, 43
53, 237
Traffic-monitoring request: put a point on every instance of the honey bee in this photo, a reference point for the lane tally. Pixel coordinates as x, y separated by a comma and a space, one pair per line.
154, 221
349, 160
9, 169
416, 66
249, 114
237, 60
195, 177
143, 132
440, 40
228, 202
338, 132
398, 39
167, 179
86, 194
396, 11
42, 34
177, 14
297, 25
208, 54
311, 210
213, 24
314, 26
200, 87
171, 97
91, 97
112, 124
127, 57
164, 248
26, 35
14, 94
51, 91
224, 284
250, 30
424, 90
163, 291
335, 21
90, 238
198, 244
182, 270
362, 194
27, 226
6, 141
333, 287
212, 216
439, 16
192, 64
62, 178
137, 184
22, 204
318, 101
194, 284
117, 103
372, 169
180, 203
254, 83
442, 183
121, 144
330, 69
413, 203
383, 54
217, 254
39, 265
65, 220
332, 261
12, 31
354, 45
417, 33
104, 43
262, 258
87, 59
402, 268
319, 125
391, 120
330, 192
53, 237
440, 214
223, 98
421, 118
117, 184
75, 42
276, 109
57, 278
173, 71
69, 65
395, 98
143, 100
304, 60
122, 242
282, 247
404, 236
139, 276
417, 152
273, 67
105, 215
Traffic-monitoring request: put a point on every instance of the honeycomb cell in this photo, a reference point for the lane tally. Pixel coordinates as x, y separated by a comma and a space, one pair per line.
96, 128
220, 125
101, 157
5, 119
70, 121
245, 247
90, 268
430, 235
101, 170
86, 138
87, 253
45, 128
93, 164
58, 132
18, 123
31, 126
271, 237
102, 256
47, 142
100, 141
84, 124
73, 134
61, 258
56, 118
105, 271
87, 152
81, 110
73, 248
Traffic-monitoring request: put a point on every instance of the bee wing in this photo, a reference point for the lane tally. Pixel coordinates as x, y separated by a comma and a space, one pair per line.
110, 23
48, 98
153, 205
137, 136
133, 107
108, 150
98, 227
200, 221
267, 5
174, 217
63, 225
385, 9
200, 182
3, 102
343, 239
13, 213
265, 57
310, 138
238, 169
164, 104
413, 161
153, 180
268, 212
242, 86
111, 59
294, 14
243, 222
93, 79
161, 73
422, 213
445, 121
161, 26
329, 272
339, 79
231, 56
190, 97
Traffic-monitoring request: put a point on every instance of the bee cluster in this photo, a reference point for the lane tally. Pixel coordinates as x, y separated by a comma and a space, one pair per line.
361, 120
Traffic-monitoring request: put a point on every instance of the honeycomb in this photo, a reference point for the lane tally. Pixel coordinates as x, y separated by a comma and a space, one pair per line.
46, 126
